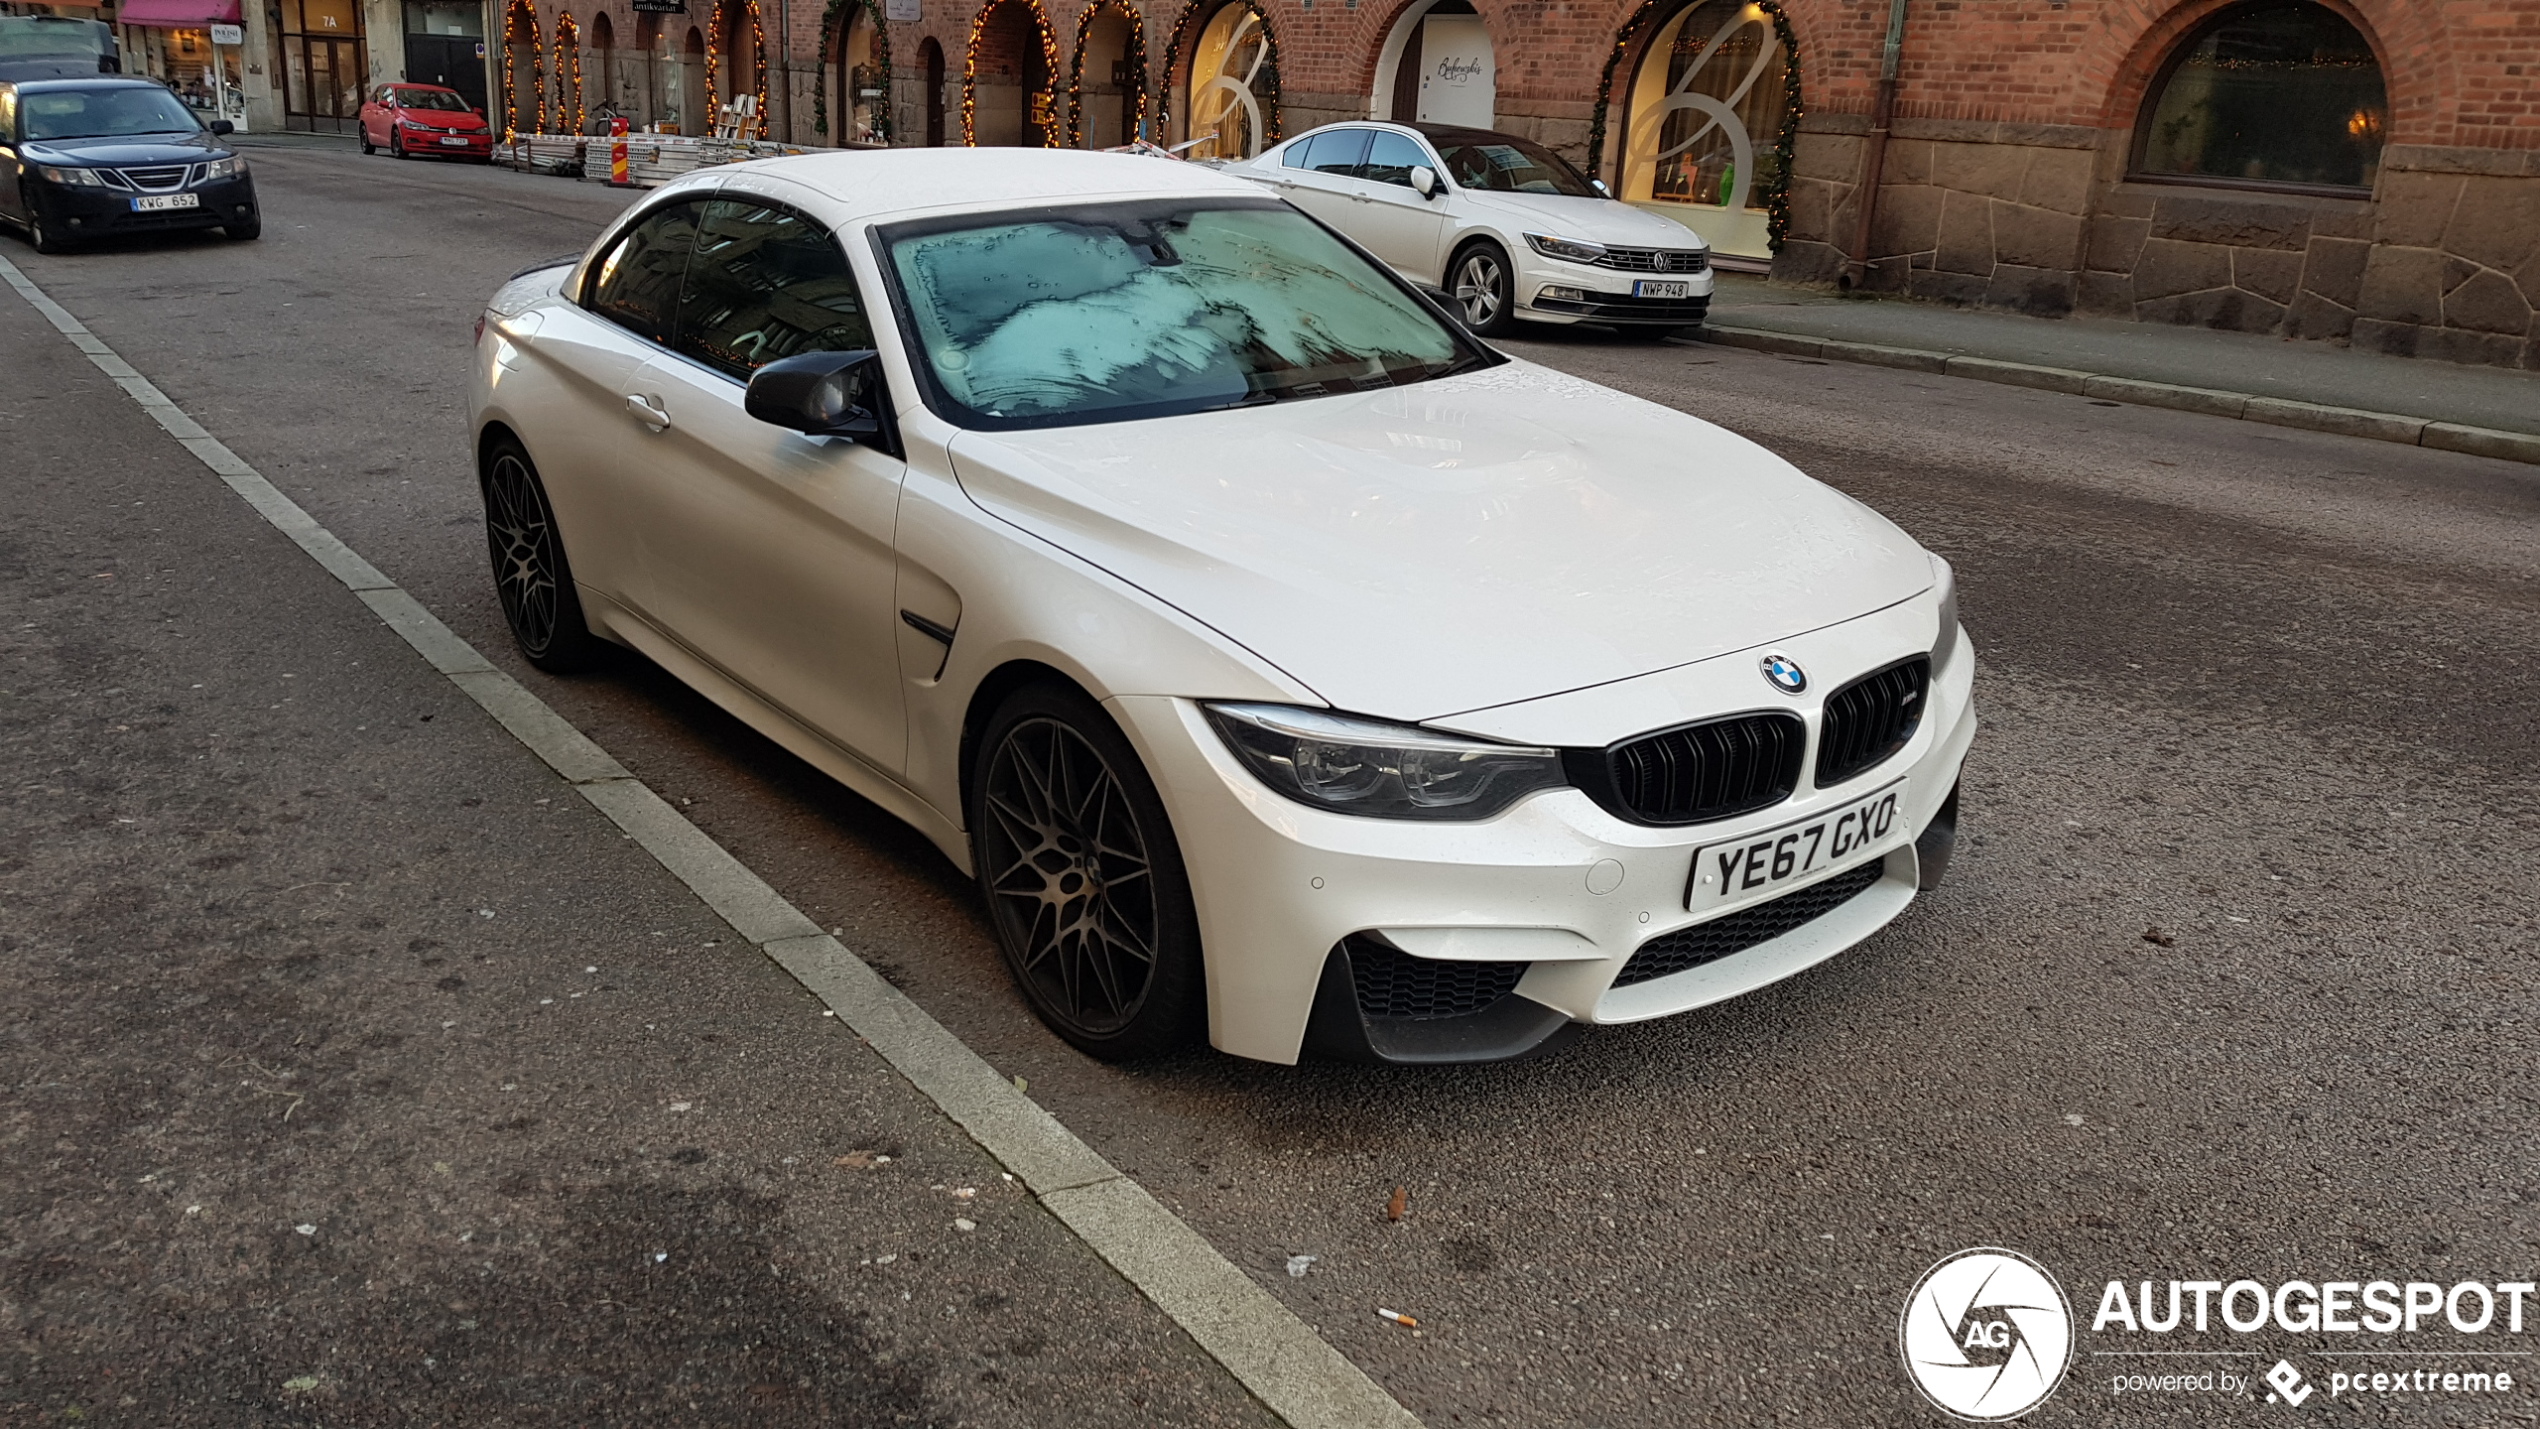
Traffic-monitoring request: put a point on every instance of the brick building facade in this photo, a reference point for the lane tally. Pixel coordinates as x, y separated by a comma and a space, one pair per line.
2052, 156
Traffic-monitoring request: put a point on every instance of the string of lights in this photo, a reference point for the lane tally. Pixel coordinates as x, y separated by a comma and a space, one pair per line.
568, 73
834, 22
514, 20
1265, 85
758, 66
1773, 186
1135, 60
970, 68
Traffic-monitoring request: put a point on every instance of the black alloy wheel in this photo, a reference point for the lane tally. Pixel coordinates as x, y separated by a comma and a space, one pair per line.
40, 235
530, 575
364, 134
1484, 290
1083, 878
397, 146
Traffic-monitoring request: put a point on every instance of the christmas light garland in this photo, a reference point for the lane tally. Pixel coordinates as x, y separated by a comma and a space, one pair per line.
970, 68
1265, 89
568, 62
833, 21
758, 68
537, 71
1135, 59
1775, 186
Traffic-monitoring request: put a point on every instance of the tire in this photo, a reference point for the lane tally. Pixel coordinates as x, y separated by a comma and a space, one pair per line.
244, 232
1483, 289
1084, 881
40, 235
397, 147
531, 576
367, 146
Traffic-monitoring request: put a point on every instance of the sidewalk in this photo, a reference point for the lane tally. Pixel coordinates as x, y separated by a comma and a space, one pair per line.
2489, 410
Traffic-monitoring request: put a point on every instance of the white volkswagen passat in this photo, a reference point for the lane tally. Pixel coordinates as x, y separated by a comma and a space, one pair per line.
1504, 226
1280, 660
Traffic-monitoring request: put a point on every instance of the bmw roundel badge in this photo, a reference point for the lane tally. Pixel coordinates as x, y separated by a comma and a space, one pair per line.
1785, 674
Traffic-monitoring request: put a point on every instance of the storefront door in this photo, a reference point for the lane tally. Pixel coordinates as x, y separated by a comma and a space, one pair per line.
326, 70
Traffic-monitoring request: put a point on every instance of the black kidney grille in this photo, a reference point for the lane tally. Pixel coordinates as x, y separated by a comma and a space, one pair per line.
1707, 771
1394, 984
1871, 718
1709, 942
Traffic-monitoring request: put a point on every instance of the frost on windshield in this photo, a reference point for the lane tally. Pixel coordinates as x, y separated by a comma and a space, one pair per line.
1181, 310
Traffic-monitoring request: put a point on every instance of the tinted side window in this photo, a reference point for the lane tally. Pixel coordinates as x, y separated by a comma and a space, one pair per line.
1297, 152
1391, 158
1340, 152
765, 284
637, 285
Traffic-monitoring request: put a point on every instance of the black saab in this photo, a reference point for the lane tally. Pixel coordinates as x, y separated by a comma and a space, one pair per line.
85, 158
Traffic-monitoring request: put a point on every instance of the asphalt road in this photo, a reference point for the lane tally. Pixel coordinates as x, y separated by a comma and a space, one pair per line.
2232, 977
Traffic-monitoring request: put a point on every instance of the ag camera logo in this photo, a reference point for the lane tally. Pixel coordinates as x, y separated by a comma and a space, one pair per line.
1986, 1334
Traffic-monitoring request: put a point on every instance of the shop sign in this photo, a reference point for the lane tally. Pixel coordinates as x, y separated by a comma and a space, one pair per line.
910, 10
661, 7
229, 34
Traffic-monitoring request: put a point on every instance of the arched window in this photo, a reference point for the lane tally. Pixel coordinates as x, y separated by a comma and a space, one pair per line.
1231, 100
1708, 125
2280, 93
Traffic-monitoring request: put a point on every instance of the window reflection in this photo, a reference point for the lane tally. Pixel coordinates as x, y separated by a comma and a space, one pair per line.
2284, 93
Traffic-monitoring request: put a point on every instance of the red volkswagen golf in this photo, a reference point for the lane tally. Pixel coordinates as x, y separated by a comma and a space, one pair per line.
411, 119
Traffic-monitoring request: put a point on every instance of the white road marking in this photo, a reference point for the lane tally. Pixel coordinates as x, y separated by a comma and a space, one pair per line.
1261, 1342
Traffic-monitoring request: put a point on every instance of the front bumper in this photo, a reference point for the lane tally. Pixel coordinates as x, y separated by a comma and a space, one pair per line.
1605, 295
85, 212
1556, 884
422, 142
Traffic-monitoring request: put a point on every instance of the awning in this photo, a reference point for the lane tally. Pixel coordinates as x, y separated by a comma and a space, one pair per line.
177, 14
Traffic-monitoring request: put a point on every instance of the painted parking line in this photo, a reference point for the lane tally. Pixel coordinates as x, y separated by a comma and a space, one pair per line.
1271, 1352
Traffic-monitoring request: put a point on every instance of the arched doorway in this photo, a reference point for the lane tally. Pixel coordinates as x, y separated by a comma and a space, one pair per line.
736, 66
524, 72
568, 108
1708, 132
860, 73
1008, 98
930, 58
1230, 96
604, 80
1437, 68
1109, 77
695, 111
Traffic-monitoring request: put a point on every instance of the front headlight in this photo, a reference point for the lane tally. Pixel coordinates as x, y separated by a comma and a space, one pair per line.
76, 178
1384, 771
1577, 250
1947, 645
228, 167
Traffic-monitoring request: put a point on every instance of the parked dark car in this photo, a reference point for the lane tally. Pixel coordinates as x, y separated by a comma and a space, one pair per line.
85, 158
46, 46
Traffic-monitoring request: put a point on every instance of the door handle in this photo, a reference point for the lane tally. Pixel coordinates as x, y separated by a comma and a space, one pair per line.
648, 411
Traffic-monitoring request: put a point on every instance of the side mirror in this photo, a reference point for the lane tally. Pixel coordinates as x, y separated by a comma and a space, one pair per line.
1425, 179
820, 394
223, 126
1599, 185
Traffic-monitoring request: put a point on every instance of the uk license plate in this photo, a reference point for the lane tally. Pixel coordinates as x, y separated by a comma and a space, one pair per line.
148, 202
1662, 288
455, 142
1798, 852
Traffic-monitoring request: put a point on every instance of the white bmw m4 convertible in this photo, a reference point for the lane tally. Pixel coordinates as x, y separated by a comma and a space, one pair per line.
1284, 663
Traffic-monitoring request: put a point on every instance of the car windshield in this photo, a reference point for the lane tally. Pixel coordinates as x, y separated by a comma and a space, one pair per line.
95, 113
1117, 311
1504, 163
430, 99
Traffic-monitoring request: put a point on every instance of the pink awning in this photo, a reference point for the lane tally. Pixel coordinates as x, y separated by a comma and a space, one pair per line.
177, 14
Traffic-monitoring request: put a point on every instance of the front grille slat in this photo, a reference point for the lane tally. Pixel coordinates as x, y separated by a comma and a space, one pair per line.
1394, 985
1701, 772
1870, 719
156, 180
1655, 260
1670, 953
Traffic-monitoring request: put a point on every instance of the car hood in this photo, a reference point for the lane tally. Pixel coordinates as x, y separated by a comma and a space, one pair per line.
456, 121
121, 150
1602, 220
1456, 544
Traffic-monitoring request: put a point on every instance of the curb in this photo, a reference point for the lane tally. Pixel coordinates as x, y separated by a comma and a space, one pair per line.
2245, 406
